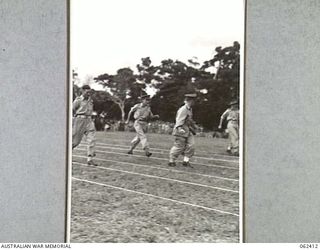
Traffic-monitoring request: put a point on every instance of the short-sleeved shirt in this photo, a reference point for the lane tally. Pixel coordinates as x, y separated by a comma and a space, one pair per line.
184, 115
231, 115
81, 106
141, 113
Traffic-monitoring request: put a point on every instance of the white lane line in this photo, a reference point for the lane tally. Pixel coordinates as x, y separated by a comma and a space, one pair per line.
158, 177
160, 151
126, 148
155, 196
157, 158
161, 168
164, 149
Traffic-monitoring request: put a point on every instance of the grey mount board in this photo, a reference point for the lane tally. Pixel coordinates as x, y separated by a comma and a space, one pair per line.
282, 121
33, 101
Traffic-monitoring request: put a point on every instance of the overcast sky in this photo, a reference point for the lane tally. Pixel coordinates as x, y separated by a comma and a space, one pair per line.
110, 34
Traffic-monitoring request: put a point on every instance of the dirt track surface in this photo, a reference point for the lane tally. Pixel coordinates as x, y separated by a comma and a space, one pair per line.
139, 199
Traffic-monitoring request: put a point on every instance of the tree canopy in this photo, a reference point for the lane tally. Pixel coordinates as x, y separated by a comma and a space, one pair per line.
121, 87
216, 82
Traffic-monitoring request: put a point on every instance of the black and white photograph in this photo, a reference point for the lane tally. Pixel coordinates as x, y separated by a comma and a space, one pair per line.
156, 121
147, 121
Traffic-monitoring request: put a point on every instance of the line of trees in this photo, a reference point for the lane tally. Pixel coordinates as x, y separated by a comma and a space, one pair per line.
171, 80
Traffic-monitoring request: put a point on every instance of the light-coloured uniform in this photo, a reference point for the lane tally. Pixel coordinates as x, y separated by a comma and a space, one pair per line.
232, 117
184, 140
82, 124
141, 116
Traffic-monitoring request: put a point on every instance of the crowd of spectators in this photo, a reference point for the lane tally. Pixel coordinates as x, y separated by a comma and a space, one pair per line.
158, 127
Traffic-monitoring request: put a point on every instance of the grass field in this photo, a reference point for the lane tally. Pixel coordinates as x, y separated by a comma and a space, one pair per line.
132, 198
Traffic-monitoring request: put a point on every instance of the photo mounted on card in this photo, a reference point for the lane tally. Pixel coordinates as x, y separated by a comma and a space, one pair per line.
155, 120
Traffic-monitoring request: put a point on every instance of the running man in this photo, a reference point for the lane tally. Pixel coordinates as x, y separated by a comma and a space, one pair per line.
232, 117
183, 131
82, 123
142, 113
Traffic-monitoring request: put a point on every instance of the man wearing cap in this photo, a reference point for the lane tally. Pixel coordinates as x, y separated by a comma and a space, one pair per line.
232, 117
142, 113
183, 132
82, 123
